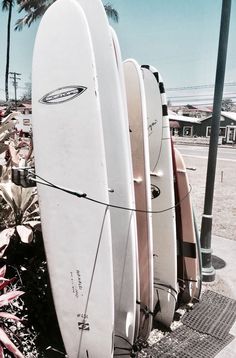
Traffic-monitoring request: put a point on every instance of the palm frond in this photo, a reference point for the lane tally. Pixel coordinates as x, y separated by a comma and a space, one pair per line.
36, 8
111, 12
6, 4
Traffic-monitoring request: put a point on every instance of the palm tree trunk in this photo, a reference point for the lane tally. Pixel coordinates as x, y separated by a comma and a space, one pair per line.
8, 50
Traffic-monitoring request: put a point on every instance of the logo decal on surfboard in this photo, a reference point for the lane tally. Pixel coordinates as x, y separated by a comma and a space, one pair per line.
62, 94
151, 126
155, 191
83, 326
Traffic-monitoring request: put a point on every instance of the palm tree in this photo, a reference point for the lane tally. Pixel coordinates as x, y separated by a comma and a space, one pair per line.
7, 5
36, 8
111, 12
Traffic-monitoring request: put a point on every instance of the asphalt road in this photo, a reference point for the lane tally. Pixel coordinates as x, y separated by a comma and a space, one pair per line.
224, 201
227, 154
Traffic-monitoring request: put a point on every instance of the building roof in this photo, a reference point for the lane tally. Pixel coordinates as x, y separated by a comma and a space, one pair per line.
193, 109
230, 115
25, 105
204, 109
175, 117
174, 124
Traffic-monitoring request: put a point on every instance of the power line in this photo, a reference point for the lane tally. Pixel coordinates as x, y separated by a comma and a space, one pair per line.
15, 84
199, 86
206, 96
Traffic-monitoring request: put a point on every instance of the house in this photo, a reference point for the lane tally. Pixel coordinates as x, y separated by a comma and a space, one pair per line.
227, 131
200, 112
183, 126
23, 121
24, 108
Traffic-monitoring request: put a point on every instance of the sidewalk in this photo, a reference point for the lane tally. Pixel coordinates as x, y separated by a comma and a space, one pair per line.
200, 141
224, 252
225, 282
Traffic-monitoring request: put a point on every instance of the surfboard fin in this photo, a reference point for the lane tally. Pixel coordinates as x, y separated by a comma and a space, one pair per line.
138, 180
158, 174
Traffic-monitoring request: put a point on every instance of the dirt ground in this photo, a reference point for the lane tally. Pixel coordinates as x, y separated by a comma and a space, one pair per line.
224, 204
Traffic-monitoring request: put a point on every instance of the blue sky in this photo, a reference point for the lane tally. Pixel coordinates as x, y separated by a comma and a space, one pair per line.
178, 37
21, 52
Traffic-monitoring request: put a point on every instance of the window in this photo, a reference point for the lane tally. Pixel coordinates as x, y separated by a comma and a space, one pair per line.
208, 131
222, 131
187, 131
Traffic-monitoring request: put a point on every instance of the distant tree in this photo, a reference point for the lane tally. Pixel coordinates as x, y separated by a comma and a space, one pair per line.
227, 104
27, 94
169, 104
36, 8
7, 5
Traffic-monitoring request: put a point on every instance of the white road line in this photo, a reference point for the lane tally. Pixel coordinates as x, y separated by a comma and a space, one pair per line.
204, 149
201, 157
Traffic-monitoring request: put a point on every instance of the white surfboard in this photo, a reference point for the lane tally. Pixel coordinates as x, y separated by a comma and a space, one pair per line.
120, 176
164, 227
141, 169
69, 152
123, 90
119, 62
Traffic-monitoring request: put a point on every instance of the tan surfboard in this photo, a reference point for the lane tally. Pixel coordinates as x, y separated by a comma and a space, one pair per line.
189, 261
141, 169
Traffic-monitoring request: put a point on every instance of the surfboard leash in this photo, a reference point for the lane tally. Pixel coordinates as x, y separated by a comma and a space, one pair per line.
136, 347
129, 350
78, 194
92, 275
165, 287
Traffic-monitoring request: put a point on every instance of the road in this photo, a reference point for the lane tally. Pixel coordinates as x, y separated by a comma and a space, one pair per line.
224, 201
226, 154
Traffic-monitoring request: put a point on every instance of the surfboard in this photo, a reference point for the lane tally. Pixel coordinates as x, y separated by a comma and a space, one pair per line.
141, 170
69, 152
120, 175
189, 253
180, 261
163, 201
123, 90
119, 63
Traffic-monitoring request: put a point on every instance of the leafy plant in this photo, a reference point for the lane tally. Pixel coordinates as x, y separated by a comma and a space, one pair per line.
5, 173
6, 125
21, 214
6, 299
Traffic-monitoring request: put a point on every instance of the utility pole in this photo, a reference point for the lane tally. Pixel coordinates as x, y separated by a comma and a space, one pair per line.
15, 84
208, 270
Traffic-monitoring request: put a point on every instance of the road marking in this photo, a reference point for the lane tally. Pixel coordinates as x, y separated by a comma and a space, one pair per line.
201, 157
204, 149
